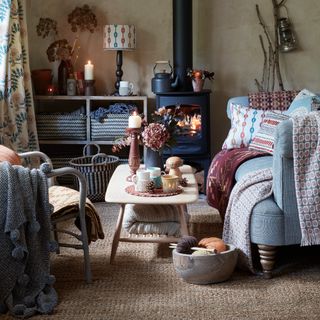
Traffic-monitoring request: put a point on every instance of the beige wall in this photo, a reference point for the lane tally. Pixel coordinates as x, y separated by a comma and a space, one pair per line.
225, 41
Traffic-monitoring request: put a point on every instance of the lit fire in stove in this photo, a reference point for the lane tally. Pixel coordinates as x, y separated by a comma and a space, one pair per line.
190, 125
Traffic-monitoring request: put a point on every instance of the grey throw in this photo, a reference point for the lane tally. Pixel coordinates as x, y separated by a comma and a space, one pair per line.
25, 281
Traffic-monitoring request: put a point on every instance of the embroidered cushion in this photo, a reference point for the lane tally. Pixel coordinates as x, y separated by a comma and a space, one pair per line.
264, 139
275, 100
245, 122
305, 102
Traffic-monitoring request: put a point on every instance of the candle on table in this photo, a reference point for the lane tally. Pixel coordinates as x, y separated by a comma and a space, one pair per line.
88, 71
134, 121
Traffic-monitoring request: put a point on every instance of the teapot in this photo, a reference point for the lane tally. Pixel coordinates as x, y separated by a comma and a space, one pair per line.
163, 81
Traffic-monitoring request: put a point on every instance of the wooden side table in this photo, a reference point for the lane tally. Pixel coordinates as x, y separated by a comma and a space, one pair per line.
116, 194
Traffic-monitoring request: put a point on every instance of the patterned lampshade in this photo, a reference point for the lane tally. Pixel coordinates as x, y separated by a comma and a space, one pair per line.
119, 37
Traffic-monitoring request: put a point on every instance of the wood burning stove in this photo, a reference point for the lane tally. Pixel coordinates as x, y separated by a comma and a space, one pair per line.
194, 139
194, 143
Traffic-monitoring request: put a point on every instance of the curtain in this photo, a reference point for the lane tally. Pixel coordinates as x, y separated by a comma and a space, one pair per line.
17, 116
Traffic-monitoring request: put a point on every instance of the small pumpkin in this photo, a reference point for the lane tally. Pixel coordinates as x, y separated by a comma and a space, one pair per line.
9, 155
213, 243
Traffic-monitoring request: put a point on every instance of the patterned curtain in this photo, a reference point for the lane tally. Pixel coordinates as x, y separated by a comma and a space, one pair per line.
17, 116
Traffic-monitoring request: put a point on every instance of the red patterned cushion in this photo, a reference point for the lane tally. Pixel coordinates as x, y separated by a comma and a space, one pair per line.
264, 139
275, 100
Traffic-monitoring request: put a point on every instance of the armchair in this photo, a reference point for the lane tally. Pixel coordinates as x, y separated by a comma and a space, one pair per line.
274, 221
9, 155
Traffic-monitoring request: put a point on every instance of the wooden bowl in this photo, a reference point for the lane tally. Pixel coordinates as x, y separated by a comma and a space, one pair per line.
205, 269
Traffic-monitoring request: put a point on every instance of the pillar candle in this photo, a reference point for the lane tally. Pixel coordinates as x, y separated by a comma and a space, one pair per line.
88, 71
134, 121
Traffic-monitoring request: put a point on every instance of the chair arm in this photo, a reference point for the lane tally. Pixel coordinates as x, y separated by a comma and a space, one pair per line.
39, 154
283, 177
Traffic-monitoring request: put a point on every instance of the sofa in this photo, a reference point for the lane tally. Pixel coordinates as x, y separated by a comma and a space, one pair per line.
274, 221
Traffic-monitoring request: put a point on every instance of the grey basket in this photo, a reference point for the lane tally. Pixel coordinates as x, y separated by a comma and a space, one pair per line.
61, 126
97, 170
114, 125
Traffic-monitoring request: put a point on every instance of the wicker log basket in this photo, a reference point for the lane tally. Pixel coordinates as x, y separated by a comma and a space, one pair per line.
97, 170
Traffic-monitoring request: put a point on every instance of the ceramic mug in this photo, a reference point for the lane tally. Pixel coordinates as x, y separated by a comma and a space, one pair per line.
169, 183
125, 88
155, 176
141, 180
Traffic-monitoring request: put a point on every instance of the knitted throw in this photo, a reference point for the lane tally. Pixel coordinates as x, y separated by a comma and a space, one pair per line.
25, 282
253, 188
306, 160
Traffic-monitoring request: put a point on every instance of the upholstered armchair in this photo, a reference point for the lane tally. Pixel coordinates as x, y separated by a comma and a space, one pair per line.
275, 220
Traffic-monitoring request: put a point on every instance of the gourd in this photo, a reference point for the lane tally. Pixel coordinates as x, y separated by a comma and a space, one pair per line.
9, 155
213, 243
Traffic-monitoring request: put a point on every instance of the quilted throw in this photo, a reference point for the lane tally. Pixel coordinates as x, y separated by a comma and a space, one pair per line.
306, 159
253, 188
221, 173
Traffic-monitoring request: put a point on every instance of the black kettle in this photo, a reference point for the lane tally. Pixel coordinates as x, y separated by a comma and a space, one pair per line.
163, 81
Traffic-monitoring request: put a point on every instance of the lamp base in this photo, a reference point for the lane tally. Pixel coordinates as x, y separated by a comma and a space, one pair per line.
119, 72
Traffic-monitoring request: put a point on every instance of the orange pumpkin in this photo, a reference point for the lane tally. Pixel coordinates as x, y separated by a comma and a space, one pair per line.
213, 243
9, 155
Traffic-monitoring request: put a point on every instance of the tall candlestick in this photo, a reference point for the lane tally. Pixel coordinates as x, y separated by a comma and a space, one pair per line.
134, 121
88, 71
134, 156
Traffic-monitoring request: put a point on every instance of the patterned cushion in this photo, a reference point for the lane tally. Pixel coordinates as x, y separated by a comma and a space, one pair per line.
264, 139
276, 100
305, 102
245, 122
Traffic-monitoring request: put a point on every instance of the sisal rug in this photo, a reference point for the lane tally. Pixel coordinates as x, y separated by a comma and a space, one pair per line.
141, 284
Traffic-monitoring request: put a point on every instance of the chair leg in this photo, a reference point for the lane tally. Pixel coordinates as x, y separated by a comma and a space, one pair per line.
267, 259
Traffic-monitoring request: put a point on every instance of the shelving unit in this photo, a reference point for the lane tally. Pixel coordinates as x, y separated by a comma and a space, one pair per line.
61, 147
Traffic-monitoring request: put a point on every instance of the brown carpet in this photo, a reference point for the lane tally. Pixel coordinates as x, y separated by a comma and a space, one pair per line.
143, 285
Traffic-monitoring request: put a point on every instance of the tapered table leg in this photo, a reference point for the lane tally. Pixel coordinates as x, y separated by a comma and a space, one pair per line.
183, 222
117, 233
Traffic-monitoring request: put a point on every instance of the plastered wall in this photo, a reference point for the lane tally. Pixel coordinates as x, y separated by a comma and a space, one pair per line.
225, 41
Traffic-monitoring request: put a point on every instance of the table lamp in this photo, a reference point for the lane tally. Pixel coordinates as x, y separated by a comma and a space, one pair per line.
119, 37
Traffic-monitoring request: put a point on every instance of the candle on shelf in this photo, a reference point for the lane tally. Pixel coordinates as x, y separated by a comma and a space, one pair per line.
134, 121
88, 71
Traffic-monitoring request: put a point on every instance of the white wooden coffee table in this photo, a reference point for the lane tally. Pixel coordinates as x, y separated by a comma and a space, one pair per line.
116, 194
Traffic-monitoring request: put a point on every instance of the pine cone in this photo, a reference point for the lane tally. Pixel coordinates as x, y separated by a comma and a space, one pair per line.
150, 187
183, 182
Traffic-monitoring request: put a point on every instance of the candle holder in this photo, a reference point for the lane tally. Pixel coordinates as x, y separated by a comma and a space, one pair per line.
134, 155
89, 87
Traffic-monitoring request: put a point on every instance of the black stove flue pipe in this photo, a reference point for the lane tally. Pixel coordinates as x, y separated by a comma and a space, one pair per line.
182, 43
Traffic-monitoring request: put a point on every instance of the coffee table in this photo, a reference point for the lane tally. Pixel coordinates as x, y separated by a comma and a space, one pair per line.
116, 194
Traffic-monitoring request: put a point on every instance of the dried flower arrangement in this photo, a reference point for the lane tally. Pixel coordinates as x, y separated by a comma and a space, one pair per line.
81, 18
200, 74
161, 132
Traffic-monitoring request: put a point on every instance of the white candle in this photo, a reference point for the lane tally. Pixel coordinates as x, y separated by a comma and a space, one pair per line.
134, 121
88, 71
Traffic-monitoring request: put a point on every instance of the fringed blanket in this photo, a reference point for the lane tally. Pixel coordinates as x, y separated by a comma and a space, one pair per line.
25, 281
252, 189
221, 179
306, 159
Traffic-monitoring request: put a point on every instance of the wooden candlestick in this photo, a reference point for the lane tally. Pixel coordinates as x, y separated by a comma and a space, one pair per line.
134, 155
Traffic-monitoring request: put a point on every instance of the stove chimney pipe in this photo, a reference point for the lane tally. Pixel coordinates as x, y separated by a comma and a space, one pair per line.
182, 42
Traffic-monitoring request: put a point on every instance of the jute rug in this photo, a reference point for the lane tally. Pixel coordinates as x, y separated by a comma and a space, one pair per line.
142, 284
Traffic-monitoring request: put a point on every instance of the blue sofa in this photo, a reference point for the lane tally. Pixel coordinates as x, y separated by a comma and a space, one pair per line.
274, 221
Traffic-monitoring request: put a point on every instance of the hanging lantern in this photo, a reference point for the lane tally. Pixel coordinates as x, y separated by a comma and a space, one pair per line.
287, 41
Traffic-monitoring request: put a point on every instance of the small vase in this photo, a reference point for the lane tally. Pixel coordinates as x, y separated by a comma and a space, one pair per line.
197, 84
153, 159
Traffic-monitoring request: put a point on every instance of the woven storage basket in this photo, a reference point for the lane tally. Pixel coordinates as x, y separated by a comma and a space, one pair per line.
61, 126
113, 126
97, 170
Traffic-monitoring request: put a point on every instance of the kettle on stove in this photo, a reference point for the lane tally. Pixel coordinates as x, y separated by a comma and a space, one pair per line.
163, 79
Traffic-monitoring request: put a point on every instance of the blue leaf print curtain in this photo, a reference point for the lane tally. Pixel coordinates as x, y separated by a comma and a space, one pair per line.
17, 116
